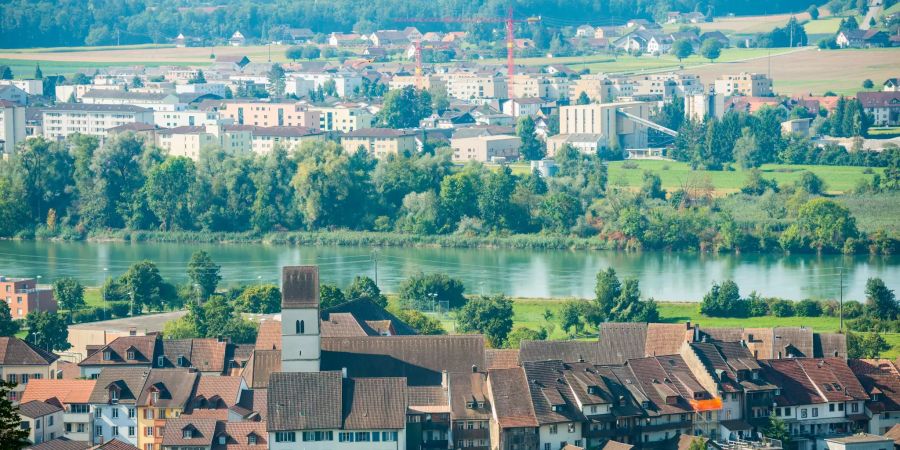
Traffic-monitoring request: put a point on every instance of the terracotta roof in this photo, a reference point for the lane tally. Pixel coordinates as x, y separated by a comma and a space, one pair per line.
115, 444
341, 325
428, 398
37, 408
189, 431
879, 99
208, 355
664, 377
881, 380
269, 335
304, 401
469, 398
365, 310
215, 387
260, 365
551, 396
512, 399
66, 391
237, 434
616, 445
175, 387
129, 381
620, 342
419, 359
16, 352
829, 345
144, 348
255, 400
666, 338
501, 358
566, 351
374, 403
61, 443
69, 370
894, 433
300, 287
792, 341
806, 381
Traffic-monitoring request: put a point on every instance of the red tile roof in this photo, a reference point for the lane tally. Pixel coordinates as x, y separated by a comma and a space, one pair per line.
66, 391
512, 400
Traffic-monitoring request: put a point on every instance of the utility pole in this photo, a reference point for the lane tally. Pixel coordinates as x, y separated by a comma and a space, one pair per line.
841, 309
375, 261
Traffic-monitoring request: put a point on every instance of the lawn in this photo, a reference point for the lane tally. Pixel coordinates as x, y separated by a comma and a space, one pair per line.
828, 25
530, 313
675, 174
24, 68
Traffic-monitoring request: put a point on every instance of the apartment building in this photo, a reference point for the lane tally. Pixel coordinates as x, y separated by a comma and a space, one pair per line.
277, 114
665, 86
475, 86
701, 106
187, 118
380, 142
166, 395
21, 362
114, 404
884, 107
12, 126
44, 421
23, 295
881, 380
541, 86
344, 117
526, 106
345, 83
744, 84
515, 426
156, 101
124, 351
470, 410
486, 148
63, 119
73, 396
264, 139
187, 141
31, 87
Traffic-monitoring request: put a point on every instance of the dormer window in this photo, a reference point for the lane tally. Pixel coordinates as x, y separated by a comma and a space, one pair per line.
107, 355
154, 396
130, 355
113, 395
180, 360
187, 433
251, 439
480, 405
470, 405
222, 439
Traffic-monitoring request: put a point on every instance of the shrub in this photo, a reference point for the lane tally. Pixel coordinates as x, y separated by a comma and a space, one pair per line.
853, 309
84, 315
757, 306
782, 308
629, 165
808, 308
118, 309
830, 308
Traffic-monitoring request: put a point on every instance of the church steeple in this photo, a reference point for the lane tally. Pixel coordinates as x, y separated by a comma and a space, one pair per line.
300, 340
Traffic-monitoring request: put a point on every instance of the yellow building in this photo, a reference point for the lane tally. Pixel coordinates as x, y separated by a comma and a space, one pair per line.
166, 394
380, 142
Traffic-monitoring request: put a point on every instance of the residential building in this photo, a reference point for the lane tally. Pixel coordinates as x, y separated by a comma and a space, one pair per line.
114, 404
264, 139
881, 380
21, 361
345, 83
380, 142
515, 426
124, 351
71, 395
744, 84
665, 86
237, 39
589, 144
559, 418
187, 141
475, 86
861, 441
63, 119
428, 416
884, 107
156, 101
264, 114
486, 148
891, 85
525, 106
470, 410
192, 433
344, 117
12, 126
798, 127
219, 90
862, 38
43, 420
324, 410
12, 94
24, 295
187, 118
205, 355
166, 395
818, 398
31, 87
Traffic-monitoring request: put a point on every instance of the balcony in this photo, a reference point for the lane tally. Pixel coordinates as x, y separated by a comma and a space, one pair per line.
442, 444
679, 425
477, 433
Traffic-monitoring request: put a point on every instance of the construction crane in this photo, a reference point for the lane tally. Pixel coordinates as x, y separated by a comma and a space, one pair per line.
510, 39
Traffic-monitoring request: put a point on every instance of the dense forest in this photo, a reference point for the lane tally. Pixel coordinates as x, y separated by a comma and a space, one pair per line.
50, 23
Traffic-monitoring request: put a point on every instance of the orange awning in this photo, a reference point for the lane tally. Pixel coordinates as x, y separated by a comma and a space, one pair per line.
706, 405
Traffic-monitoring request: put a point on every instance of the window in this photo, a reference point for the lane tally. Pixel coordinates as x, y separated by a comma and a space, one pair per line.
115, 413
131, 413
787, 411
78, 408
251, 440
854, 407
547, 446
553, 429
778, 412
130, 355
12, 378
131, 431
285, 436
148, 431
840, 406
115, 431
148, 413
571, 427
68, 427
98, 412
363, 436
345, 437
50, 421
160, 361
389, 436
803, 413
113, 395
187, 433
815, 412
831, 407
107, 355
308, 436
222, 440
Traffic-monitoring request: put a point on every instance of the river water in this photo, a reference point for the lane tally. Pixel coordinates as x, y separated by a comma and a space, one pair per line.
520, 273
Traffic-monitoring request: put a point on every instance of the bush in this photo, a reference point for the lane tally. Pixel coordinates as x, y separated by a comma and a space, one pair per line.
782, 308
84, 315
425, 291
119, 309
757, 306
853, 309
808, 308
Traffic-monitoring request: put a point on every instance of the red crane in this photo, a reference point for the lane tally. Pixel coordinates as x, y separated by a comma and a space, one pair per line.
510, 39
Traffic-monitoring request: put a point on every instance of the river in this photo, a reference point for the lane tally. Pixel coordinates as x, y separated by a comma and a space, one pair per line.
519, 273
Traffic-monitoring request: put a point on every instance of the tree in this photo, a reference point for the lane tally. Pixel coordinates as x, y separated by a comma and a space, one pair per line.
724, 301
583, 99
5, 73
813, 12
204, 273
849, 24
47, 330
821, 225
778, 430
868, 84
276, 81
311, 52
747, 151
330, 296
711, 49
260, 299
427, 291
168, 190
420, 322
38, 73
607, 290
12, 435
628, 307
137, 82
652, 186
519, 334
69, 293
199, 78
404, 108
363, 287
143, 284
870, 345
811, 183
8, 326
758, 185
570, 317
491, 316
532, 148
294, 52
682, 48
881, 300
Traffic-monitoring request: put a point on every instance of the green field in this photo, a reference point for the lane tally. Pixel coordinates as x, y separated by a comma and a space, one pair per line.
676, 174
529, 313
827, 25
24, 68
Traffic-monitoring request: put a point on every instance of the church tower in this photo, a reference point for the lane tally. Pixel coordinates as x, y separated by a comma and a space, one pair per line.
300, 340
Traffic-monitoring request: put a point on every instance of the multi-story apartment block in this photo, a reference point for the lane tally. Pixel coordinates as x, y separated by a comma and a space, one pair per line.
745, 84
665, 86
187, 118
23, 295
166, 395
277, 114
21, 362
486, 148
884, 107
64, 119
343, 117
73, 396
156, 101
44, 421
380, 142
114, 404
12, 126
475, 86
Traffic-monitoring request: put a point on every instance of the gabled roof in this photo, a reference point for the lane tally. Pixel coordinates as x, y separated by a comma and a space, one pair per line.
261, 364
620, 342
61, 443
228, 389
37, 408
341, 325
66, 391
202, 432
128, 380
467, 391
237, 434
420, 359
304, 401
879, 99
175, 388
805, 381
566, 351
881, 380
551, 396
365, 310
512, 398
115, 444
374, 403
894, 433
16, 352
145, 348
501, 358
666, 377
269, 335
666, 338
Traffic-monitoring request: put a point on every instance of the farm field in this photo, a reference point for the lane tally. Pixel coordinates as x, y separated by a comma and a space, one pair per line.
674, 174
814, 71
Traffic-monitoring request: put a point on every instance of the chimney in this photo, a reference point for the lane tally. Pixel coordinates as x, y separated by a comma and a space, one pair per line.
343, 372
300, 287
445, 381
132, 331
474, 368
